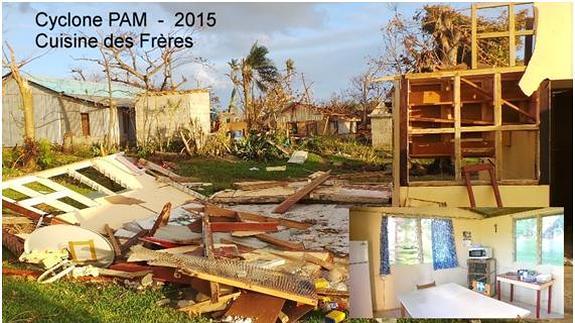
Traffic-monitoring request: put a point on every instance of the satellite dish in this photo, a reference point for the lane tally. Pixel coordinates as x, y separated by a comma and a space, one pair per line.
85, 246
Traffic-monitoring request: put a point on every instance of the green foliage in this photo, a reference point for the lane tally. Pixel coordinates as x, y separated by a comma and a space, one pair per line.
46, 156
258, 146
218, 144
348, 148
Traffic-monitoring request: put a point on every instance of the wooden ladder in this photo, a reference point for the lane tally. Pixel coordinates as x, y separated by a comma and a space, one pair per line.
467, 170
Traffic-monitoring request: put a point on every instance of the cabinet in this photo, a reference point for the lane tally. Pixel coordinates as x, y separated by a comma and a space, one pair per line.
482, 271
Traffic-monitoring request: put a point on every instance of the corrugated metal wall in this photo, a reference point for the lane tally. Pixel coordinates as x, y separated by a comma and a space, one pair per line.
55, 115
162, 115
300, 114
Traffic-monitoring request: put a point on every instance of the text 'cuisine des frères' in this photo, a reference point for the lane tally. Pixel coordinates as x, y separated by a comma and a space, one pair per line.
79, 39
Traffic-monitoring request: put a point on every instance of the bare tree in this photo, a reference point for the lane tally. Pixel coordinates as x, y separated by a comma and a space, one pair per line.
14, 65
366, 92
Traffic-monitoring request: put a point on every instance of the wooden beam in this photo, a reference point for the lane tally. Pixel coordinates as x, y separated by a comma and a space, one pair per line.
247, 216
162, 219
396, 167
485, 5
209, 306
512, 47
474, 36
465, 73
510, 127
487, 94
498, 120
133, 240
113, 240
457, 125
243, 226
499, 34
283, 244
301, 193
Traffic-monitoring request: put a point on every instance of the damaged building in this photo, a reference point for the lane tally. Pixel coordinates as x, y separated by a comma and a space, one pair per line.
489, 135
78, 111
303, 120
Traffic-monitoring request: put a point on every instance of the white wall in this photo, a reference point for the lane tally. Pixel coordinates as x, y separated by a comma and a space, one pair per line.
502, 244
404, 278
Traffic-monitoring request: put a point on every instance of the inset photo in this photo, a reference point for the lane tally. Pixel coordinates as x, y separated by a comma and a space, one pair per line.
461, 263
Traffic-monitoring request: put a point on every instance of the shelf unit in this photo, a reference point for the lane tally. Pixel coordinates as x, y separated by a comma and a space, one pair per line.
482, 270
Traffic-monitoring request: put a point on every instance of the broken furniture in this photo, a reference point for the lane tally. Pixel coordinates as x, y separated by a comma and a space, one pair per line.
455, 301
512, 279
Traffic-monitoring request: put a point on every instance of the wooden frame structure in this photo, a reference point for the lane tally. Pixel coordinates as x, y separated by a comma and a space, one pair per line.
465, 114
511, 33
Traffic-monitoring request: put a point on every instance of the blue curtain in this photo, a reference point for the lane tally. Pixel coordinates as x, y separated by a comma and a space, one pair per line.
443, 244
384, 249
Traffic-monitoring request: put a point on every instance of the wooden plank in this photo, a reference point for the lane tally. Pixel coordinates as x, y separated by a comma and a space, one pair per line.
209, 306
283, 244
113, 240
133, 240
465, 73
259, 307
457, 125
162, 219
512, 47
403, 126
242, 248
301, 193
248, 216
315, 260
296, 311
498, 120
499, 34
487, 94
243, 226
396, 167
485, 5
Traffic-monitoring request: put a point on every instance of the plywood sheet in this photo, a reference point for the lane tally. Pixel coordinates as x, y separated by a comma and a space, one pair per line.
261, 308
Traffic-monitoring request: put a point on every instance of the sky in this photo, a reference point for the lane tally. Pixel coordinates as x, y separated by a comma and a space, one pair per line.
329, 42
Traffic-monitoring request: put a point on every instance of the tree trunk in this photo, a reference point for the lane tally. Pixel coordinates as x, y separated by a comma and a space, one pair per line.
28, 106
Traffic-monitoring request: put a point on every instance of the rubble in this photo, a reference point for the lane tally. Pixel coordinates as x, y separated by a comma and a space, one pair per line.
244, 263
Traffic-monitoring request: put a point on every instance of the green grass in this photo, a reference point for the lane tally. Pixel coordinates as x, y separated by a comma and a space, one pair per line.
71, 301
222, 173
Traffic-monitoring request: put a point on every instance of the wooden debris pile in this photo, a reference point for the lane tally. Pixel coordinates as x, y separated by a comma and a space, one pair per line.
232, 264
320, 187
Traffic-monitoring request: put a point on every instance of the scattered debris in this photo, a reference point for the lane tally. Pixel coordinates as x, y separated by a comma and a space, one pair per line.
276, 168
241, 264
298, 157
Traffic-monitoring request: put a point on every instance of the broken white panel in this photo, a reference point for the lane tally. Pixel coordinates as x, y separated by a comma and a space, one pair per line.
553, 55
298, 157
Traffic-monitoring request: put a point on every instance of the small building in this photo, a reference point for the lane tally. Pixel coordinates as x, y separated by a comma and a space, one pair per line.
303, 120
78, 110
163, 114
381, 128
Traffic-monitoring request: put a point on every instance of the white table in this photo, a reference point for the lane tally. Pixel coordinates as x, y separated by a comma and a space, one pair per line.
455, 301
513, 279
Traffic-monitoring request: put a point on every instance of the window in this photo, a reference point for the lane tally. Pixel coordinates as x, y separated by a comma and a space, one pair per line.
539, 240
409, 241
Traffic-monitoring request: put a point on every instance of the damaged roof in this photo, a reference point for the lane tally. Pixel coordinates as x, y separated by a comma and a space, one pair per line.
95, 92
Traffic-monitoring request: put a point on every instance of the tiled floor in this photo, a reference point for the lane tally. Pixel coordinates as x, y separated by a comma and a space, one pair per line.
531, 308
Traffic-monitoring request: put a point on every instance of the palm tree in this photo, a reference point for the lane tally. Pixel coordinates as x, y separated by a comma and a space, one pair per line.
256, 70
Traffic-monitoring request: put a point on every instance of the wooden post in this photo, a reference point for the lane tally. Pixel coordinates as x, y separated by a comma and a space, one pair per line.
396, 107
457, 125
498, 121
512, 48
473, 36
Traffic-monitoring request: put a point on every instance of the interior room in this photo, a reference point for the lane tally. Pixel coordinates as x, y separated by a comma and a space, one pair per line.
449, 263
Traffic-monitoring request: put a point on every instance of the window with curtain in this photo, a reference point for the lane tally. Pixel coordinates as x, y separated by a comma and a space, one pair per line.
410, 241
443, 244
539, 240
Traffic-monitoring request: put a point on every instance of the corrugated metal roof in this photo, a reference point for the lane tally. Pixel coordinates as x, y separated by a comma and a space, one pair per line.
85, 89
